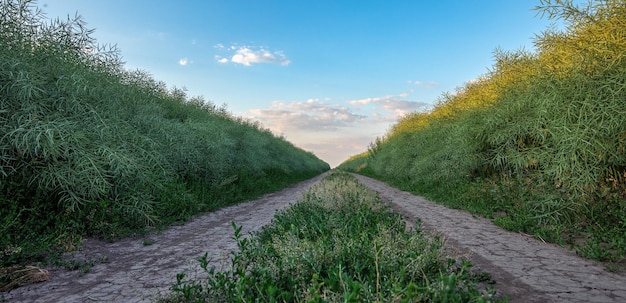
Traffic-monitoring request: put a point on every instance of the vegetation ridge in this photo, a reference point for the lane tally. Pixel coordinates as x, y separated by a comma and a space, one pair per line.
538, 143
89, 148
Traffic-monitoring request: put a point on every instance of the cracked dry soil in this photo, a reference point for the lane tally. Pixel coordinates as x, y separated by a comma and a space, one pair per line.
525, 268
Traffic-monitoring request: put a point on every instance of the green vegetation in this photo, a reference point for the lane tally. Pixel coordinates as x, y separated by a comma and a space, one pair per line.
88, 148
339, 243
538, 143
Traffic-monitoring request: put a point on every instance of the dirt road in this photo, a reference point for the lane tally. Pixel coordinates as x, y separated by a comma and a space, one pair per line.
527, 269
135, 272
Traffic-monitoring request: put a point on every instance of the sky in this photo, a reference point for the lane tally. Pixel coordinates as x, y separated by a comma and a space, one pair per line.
328, 76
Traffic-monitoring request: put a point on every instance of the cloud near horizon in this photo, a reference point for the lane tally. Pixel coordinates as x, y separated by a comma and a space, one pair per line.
247, 55
393, 105
334, 132
319, 115
310, 115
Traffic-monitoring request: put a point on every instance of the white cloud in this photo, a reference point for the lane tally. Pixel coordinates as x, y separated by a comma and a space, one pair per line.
312, 114
366, 101
183, 61
402, 107
429, 84
393, 105
247, 55
334, 132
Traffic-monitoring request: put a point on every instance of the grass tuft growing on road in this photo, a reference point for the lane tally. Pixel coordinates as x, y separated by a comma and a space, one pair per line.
339, 243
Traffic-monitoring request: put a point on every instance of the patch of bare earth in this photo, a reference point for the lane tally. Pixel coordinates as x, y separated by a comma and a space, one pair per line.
527, 269
142, 269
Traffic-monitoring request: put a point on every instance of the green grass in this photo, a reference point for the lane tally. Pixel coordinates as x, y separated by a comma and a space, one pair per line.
538, 143
338, 243
89, 148
596, 231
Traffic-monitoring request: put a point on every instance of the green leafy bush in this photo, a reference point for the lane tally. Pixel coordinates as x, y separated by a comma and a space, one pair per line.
540, 140
90, 148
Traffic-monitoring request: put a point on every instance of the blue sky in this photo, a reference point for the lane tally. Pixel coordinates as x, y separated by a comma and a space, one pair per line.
330, 76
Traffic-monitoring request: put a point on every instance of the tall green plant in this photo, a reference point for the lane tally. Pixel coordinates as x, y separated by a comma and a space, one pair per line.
102, 150
544, 129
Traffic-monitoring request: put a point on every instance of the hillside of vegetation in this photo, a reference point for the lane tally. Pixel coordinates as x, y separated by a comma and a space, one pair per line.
88, 148
538, 143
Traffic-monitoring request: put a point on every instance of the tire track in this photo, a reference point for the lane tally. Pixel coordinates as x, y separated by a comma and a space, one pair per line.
135, 272
523, 267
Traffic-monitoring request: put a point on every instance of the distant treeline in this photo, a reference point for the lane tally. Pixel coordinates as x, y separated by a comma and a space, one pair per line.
538, 142
90, 148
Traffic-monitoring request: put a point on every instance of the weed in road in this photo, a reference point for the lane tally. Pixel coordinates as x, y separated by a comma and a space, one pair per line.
339, 243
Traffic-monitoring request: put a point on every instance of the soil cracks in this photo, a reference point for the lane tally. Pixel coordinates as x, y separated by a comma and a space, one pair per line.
526, 269
135, 272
